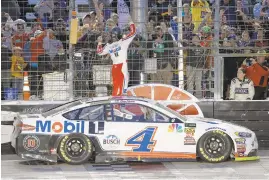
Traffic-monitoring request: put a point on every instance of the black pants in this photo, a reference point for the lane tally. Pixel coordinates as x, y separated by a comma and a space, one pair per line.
259, 93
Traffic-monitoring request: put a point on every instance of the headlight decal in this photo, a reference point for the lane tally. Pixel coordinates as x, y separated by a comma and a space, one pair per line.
243, 134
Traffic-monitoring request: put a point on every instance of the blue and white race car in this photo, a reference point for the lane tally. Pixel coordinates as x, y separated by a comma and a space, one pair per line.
113, 129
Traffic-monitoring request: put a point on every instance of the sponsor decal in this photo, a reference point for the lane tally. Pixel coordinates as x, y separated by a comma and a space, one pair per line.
31, 142
190, 125
189, 131
60, 127
175, 128
240, 140
241, 90
32, 110
211, 159
189, 139
27, 127
214, 128
243, 134
241, 148
111, 141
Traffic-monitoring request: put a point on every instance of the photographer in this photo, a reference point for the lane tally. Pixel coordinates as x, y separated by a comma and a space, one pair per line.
258, 73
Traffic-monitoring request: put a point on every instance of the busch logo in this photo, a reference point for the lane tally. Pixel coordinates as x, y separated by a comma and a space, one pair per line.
111, 139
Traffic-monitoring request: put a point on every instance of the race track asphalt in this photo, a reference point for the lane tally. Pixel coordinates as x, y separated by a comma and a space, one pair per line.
15, 168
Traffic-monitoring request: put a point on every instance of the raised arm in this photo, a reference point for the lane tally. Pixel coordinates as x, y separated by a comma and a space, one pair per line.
132, 31
98, 10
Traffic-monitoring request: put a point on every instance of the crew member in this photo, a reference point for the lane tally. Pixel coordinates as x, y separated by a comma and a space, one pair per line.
258, 73
118, 52
241, 87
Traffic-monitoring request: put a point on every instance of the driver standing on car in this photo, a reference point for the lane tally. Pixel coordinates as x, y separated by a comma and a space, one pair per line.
118, 52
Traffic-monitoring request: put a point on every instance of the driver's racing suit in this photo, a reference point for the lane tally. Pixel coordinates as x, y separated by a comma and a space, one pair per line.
241, 90
118, 53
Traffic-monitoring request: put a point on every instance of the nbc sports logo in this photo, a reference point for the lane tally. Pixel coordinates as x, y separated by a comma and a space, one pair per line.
175, 128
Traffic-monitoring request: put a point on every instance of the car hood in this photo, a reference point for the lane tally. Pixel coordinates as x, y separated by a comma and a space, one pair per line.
217, 122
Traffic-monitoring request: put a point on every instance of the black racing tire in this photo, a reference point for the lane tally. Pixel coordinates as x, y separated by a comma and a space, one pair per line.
214, 146
75, 149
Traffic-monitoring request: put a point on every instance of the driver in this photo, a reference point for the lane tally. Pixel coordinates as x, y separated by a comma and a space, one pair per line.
118, 52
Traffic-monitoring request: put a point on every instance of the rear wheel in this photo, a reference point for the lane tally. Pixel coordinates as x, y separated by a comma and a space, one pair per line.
75, 149
214, 146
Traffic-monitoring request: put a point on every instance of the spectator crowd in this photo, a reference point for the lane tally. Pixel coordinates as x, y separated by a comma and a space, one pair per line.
41, 45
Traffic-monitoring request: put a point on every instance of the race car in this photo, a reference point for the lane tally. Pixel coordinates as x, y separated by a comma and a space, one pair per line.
126, 128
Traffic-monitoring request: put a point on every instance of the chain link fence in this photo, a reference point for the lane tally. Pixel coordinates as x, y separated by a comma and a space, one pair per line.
195, 45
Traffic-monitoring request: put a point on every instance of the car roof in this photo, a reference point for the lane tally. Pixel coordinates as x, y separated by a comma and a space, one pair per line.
113, 98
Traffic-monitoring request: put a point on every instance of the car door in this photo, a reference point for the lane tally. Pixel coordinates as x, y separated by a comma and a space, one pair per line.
137, 128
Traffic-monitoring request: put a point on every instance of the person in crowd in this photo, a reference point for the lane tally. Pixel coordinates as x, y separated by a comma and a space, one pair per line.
261, 9
118, 52
51, 45
260, 41
17, 67
162, 50
60, 32
5, 68
199, 10
245, 43
208, 74
37, 49
20, 36
44, 10
228, 38
162, 6
60, 11
258, 73
115, 18
187, 26
241, 88
110, 25
230, 11
195, 63
7, 31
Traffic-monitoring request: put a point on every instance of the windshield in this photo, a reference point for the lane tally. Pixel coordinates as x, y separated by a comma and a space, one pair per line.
183, 118
61, 108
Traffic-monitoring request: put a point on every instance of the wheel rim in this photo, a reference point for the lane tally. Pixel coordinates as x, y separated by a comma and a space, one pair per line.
214, 146
75, 147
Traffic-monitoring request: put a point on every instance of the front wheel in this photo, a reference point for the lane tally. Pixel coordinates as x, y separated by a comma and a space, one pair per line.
75, 149
214, 146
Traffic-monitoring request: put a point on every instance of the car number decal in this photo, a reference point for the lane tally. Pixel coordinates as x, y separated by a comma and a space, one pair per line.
143, 140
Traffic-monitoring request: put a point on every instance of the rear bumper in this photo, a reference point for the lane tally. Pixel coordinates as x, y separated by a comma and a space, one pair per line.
33, 146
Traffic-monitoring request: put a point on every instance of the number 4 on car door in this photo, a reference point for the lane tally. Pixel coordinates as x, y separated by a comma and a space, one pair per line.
143, 141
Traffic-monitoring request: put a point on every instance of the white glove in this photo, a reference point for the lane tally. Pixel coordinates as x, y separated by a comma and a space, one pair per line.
130, 21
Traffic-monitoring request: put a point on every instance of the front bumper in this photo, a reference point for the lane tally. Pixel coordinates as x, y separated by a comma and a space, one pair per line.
252, 156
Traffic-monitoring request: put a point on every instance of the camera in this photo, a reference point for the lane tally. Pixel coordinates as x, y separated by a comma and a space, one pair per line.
248, 62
